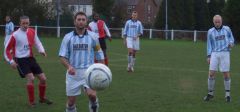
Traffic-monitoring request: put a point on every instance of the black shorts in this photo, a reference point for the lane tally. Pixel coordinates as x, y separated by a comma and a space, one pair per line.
102, 43
28, 65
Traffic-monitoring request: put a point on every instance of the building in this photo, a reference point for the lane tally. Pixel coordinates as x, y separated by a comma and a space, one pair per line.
147, 9
75, 6
81, 5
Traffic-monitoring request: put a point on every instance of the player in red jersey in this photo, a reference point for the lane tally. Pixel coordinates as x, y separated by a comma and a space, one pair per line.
100, 28
18, 52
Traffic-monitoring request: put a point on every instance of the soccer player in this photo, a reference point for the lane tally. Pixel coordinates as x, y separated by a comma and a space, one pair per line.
22, 59
98, 26
132, 31
220, 40
77, 54
9, 28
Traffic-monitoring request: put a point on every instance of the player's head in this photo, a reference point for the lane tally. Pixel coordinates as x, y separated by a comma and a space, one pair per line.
95, 16
7, 18
134, 15
80, 20
217, 21
24, 22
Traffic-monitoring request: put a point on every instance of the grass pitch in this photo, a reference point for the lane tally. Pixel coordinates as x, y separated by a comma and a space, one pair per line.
170, 76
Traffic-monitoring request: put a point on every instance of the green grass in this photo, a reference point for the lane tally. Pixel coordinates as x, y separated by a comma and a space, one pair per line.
170, 76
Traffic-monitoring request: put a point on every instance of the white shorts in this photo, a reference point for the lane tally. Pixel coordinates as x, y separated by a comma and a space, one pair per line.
7, 37
220, 61
74, 83
133, 44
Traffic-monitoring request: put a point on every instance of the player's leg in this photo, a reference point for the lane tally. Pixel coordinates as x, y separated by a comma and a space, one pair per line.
130, 59
92, 94
30, 88
71, 104
25, 72
227, 86
36, 69
105, 56
211, 85
134, 59
224, 68
103, 45
213, 67
42, 86
130, 53
93, 100
73, 89
136, 47
42, 89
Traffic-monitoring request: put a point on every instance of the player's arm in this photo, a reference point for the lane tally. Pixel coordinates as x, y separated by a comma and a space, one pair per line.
125, 29
7, 52
39, 46
64, 56
98, 51
99, 54
107, 30
230, 38
66, 64
209, 47
125, 33
140, 29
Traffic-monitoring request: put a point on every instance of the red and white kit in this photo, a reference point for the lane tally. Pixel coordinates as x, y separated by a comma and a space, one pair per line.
21, 43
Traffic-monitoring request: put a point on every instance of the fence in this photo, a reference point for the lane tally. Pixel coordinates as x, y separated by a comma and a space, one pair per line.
117, 32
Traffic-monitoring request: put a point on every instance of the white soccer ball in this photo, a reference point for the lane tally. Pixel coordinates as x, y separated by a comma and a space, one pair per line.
98, 76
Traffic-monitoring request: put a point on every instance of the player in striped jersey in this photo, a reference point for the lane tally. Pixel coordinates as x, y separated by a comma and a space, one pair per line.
219, 43
77, 54
132, 31
9, 28
19, 54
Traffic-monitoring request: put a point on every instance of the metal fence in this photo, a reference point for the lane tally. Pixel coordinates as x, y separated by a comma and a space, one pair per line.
193, 35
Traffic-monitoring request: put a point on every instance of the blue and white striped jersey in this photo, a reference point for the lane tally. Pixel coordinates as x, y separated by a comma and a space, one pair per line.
9, 28
133, 28
218, 40
80, 49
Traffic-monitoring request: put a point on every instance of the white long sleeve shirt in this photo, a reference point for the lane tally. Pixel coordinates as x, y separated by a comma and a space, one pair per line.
95, 28
218, 40
21, 43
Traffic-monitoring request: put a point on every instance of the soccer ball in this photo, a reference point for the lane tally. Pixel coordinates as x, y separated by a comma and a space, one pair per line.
98, 76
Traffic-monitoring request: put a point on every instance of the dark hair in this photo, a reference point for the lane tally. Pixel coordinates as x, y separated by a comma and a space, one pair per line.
24, 17
79, 13
95, 14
